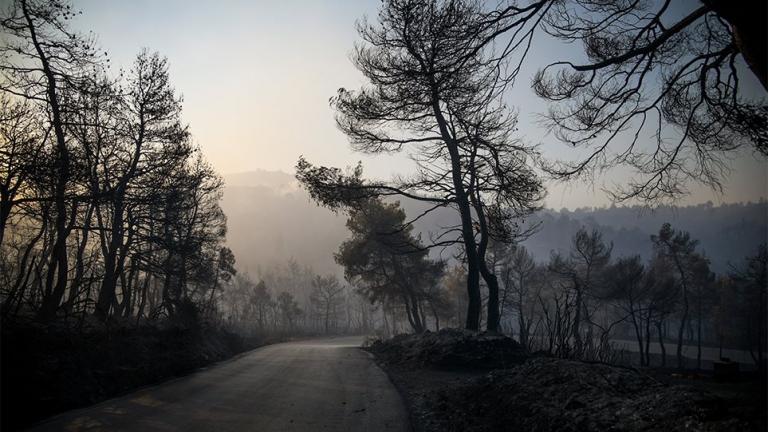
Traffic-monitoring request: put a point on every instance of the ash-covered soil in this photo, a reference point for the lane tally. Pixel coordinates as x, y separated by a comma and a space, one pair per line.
450, 348
456, 380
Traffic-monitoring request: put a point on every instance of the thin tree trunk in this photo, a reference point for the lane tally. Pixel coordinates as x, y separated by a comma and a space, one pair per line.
576, 330
648, 339
144, 289
79, 260
661, 343
681, 332
638, 335
5, 210
698, 334
58, 266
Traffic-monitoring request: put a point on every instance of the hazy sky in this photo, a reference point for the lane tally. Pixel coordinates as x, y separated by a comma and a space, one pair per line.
256, 77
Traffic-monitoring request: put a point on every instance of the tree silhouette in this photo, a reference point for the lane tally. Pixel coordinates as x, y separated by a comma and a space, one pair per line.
523, 279
105, 205
327, 297
652, 65
389, 263
42, 61
582, 269
680, 250
627, 287
435, 89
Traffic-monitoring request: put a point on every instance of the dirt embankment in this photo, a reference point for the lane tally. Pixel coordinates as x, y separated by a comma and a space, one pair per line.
53, 368
460, 381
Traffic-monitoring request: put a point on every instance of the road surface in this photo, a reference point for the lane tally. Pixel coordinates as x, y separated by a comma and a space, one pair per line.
316, 385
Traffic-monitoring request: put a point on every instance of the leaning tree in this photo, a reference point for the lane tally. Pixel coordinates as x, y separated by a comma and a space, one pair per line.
435, 89
664, 90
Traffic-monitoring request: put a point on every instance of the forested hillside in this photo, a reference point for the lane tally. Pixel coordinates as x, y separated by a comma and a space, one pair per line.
287, 219
727, 233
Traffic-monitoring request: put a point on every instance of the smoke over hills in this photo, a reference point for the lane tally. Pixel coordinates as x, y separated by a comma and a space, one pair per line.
271, 219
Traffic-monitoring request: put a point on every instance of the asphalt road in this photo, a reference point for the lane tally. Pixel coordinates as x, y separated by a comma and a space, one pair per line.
317, 385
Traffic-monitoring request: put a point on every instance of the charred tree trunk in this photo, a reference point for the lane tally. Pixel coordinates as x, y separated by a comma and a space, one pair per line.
681, 330
647, 360
638, 331
576, 330
58, 265
747, 20
462, 200
5, 209
698, 333
660, 331
108, 286
491, 281
74, 290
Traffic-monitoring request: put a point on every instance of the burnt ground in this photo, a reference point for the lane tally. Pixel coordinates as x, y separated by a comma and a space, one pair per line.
459, 381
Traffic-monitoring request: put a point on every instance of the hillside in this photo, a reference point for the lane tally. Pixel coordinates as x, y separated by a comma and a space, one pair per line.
271, 220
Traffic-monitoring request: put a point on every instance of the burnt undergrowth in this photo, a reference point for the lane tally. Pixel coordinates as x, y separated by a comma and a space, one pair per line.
454, 380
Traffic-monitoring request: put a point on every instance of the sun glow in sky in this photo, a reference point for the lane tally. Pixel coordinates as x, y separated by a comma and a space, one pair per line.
256, 77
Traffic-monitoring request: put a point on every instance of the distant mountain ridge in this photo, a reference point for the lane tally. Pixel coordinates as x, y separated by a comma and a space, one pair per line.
277, 180
271, 219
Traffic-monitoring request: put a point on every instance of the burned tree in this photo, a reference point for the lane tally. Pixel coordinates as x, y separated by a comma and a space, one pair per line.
581, 271
435, 92
42, 61
628, 290
289, 309
100, 186
21, 155
149, 126
679, 250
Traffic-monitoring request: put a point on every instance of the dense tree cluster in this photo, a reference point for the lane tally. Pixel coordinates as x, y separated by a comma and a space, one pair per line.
107, 206
391, 266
